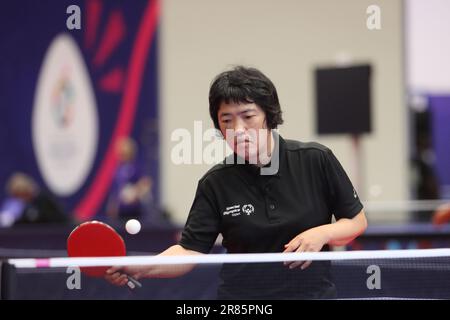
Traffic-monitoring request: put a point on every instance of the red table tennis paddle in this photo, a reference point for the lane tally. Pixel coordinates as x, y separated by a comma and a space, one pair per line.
97, 239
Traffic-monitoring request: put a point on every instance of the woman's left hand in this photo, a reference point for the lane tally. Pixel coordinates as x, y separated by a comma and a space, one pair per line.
311, 240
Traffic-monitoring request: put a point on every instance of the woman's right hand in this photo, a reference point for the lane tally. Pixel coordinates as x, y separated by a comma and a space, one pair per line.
118, 276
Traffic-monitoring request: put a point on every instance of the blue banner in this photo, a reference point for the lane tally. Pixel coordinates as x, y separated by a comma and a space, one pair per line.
77, 77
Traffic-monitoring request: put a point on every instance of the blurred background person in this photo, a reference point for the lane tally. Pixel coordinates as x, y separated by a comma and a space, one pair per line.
442, 214
131, 190
27, 203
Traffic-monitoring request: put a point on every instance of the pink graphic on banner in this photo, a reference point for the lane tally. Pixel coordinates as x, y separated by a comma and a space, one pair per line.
96, 193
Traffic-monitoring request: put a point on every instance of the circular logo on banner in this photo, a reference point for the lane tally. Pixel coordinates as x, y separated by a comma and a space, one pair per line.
65, 122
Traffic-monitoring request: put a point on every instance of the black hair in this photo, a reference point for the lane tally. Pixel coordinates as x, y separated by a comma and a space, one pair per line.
245, 85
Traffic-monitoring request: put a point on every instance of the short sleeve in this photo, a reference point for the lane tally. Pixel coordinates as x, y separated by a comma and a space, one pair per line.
343, 199
202, 225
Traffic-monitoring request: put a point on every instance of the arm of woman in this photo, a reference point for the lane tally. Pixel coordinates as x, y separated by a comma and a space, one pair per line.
339, 233
118, 275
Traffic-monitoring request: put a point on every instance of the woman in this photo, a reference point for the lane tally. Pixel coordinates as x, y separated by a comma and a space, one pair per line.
271, 195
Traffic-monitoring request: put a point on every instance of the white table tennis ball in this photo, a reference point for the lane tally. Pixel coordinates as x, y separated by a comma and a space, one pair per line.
133, 226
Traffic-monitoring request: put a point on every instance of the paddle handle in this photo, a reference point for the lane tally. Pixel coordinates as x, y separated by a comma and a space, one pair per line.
133, 283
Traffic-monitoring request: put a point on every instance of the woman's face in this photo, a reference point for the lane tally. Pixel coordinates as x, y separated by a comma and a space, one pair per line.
245, 129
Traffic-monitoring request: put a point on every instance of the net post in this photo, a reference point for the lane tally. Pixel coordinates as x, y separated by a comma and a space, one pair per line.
7, 280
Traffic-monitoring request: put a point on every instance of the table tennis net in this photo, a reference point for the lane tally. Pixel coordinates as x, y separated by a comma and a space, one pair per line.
383, 274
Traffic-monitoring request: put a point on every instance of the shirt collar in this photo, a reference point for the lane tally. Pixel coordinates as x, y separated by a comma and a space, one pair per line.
273, 168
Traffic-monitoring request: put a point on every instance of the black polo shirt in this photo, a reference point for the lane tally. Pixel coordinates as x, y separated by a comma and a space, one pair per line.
258, 213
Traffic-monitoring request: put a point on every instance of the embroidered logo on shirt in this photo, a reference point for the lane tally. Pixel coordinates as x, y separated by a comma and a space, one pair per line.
233, 210
355, 195
248, 209
236, 210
